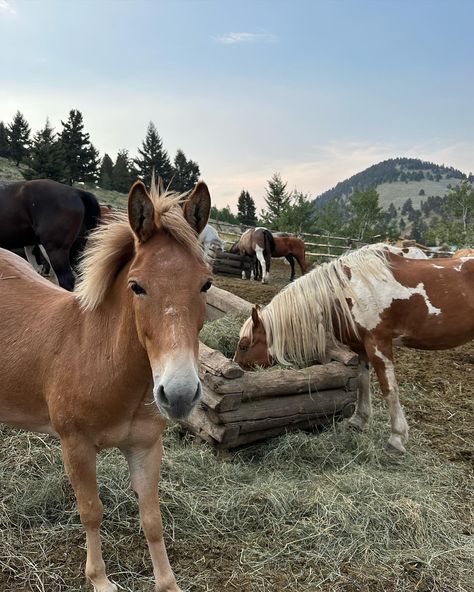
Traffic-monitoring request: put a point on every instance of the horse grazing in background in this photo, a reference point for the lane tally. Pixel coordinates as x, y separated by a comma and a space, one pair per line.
258, 243
369, 300
463, 253
47, 213
290, 247
105, 365
210, 237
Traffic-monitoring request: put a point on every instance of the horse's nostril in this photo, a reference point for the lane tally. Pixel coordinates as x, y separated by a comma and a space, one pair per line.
197, 394
161, 395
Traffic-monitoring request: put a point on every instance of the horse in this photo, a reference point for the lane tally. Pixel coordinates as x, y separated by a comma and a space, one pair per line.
463, 253
56, 216
258, 243
106, 365
290, 247
369, 300
210, 237
409, 252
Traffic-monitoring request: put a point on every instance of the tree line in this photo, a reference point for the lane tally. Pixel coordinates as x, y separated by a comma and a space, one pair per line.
68, 156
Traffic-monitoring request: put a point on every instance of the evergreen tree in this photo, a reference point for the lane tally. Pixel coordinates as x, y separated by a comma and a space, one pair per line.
366, 214
153, 156
223, 214
4, 145
246, 211
105, 175
185, 173
407, 207
298, 216
277, 199
391, 212
45, 160
18, 138
121, 174
329, 217
81, 159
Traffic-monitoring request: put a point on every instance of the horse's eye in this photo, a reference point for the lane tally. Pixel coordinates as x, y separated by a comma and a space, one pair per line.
137, 289
244, 348
206, 286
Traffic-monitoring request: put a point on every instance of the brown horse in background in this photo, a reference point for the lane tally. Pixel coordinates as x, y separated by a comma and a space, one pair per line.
258, 243
369, 300
56, 216
289, 246
105, 365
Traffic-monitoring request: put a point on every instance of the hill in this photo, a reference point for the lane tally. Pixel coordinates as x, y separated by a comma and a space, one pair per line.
397, 180
9, 173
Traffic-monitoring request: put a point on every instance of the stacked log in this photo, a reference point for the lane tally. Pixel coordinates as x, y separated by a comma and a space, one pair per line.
221, 302
242, 407
226, 263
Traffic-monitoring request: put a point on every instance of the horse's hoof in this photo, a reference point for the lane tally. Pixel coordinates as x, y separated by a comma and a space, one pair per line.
394, 450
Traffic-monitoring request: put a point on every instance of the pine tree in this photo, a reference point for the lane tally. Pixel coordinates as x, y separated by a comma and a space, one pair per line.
81, 159
4, 145
185, 173
277, 199
45, 160
153, 157
105, 175
246, 211
18, 138
121, 174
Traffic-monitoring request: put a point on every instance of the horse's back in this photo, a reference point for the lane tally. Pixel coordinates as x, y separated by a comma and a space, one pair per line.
18, 276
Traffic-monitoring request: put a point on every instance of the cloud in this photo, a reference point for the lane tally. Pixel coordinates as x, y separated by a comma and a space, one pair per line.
244, 37
6, 7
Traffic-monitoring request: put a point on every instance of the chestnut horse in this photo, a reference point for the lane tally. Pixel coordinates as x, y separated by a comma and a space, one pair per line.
105, 365
290, 247
369, 300
54, 215
463, 253
258, 243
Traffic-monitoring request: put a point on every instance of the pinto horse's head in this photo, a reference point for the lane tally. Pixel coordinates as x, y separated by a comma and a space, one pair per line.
252, 349
168, 280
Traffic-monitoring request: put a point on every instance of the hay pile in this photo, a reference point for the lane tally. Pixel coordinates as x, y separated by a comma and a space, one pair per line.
327, 512
223, 334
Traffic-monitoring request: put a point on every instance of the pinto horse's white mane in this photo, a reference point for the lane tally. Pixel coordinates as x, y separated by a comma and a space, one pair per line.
299, 321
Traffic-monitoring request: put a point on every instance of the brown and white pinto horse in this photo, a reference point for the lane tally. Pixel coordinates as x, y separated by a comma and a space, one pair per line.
258, 243
369, 300
105, 365
290, 247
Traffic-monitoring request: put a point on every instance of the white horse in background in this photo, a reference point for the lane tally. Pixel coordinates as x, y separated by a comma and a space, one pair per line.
208, 238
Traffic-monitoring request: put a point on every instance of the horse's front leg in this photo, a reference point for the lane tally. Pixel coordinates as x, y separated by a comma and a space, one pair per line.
363, 410
144, 467
380, 354
80, 463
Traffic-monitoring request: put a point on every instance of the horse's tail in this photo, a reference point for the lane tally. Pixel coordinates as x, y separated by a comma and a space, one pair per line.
269, 242
91, 211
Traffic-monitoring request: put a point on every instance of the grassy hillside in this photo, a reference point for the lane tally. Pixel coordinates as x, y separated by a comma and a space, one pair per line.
396, 180
9, 173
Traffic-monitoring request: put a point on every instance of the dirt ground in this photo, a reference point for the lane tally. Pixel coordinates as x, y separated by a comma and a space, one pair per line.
437, 386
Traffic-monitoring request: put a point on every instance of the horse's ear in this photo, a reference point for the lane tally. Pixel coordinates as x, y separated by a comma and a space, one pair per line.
198, 207
141, 212
255, 317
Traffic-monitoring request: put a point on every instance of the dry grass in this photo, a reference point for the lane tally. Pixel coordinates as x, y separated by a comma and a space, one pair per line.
302, 512
223, 333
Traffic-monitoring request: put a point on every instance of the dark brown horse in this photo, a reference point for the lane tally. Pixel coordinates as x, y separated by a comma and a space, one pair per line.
47, 213
290, 247
369, 300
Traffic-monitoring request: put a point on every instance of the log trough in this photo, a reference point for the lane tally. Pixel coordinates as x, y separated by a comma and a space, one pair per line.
240, 407
226, 263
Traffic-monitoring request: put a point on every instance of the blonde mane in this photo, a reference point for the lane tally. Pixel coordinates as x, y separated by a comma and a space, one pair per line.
112, 245
301, 321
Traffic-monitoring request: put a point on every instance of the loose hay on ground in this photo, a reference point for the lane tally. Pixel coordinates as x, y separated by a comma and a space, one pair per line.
302, 512
223, 334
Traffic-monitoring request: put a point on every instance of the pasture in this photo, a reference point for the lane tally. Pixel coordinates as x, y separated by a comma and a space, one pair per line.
303, 512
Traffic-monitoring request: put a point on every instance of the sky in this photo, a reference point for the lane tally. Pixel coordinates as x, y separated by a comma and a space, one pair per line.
314, 90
